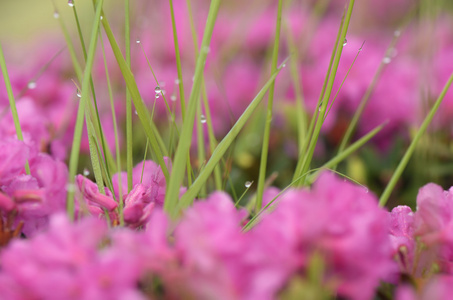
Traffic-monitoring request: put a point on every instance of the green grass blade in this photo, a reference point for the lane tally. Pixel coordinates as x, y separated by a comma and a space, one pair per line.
178, 61
405, 160
303, 150
72, 53
317, 130
346, 152
176, 179
12, 102
148, 125
74, 158
211, 136
358, 113
115, 129
223, 146
129, 150
267, 126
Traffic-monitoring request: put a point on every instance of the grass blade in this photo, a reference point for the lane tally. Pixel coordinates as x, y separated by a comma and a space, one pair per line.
176, 179
74, 158
12, 102
405, 160
223, 146
267, 126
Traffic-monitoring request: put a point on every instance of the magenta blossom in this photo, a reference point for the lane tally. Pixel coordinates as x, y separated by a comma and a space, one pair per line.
341, 222
70, 261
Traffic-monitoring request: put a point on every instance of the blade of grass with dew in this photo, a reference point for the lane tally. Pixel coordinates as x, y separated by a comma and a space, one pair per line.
212, 140
310, 132
357, 114
182, 150
211, 136
348, 151
72, 53
115, 130
74, 157
12, 102
405, 160
97, 130
151, 131
223, 146
129, 150
178, 61
344, 80
172, 119
322, 113
201, 145
247, 187
267, 126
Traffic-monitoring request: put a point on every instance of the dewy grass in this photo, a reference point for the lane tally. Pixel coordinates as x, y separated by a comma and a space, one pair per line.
92, 130
150, 129
212, 140
267, 126
182, 150
12, 102
328, 91
303, 150
178, 61
71, 49
74, 158
129, 150
115, 130
421, 131
223, 146
357, 114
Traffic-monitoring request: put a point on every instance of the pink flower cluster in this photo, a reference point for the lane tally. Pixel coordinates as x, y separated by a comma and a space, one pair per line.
206, 254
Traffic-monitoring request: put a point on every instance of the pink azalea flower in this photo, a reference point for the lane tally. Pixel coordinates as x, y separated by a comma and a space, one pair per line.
93, 200
338, 220
401, 230
70, 261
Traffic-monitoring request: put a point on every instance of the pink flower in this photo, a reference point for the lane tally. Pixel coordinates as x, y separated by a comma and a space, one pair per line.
339, 221
93, 200
70, 261
401, 230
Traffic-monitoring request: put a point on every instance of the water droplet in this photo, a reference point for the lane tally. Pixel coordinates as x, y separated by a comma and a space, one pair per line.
136, 112
202, 119
158, 90
392, 52
56, 15
31, 85
157, 96
86, 172
345, 42
284, 65
177, 81
173, 97
366, 190
137, 41
397, 33
78, 94
71, 3
248, 184
102, 17
386, 60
